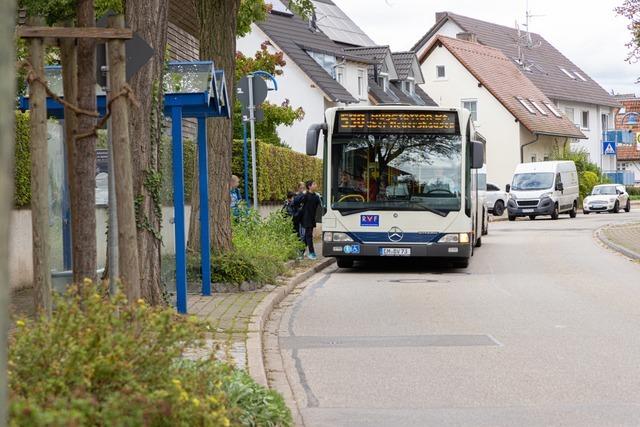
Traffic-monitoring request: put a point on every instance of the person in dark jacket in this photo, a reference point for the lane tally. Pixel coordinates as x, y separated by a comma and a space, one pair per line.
296, 206
310, 204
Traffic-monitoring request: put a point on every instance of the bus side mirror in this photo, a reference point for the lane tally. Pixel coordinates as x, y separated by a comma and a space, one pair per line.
477, 155
507, 188
313, 134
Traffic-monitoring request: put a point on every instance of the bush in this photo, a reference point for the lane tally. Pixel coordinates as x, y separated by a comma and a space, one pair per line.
261, 249
633, 191
101, 361
22, 171
280, 169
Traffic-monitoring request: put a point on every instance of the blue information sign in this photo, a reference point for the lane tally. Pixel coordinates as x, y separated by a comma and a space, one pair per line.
609, 148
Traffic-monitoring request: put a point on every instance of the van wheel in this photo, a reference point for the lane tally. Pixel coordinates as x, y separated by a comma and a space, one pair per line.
498, 208
512, 218
555, 213
574, 211
585, 212
345, 262
627, 207
532, 217
616, 207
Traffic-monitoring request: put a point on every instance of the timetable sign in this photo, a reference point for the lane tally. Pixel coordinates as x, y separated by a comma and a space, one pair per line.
415, 122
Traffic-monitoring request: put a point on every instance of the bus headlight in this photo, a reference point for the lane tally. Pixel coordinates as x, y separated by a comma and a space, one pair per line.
455, 238
336, 237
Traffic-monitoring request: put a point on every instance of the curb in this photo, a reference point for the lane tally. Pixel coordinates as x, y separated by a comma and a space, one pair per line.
614, 246
255, 361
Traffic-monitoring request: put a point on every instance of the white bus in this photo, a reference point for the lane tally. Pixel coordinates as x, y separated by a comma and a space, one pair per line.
399, 181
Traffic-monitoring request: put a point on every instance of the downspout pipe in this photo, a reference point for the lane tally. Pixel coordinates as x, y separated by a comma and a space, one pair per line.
524, 145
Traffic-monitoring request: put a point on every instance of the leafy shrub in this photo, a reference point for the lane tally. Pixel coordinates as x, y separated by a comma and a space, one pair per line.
588, 180
101, 361
589, 174
22, 171
280, 169
633, 191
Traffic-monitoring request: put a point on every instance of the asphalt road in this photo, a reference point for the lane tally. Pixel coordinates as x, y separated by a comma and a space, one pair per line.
542, 329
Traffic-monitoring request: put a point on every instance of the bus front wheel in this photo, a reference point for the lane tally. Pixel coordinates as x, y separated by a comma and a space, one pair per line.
345, 262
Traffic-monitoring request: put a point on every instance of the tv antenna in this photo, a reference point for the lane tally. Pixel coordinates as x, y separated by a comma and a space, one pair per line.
525, 41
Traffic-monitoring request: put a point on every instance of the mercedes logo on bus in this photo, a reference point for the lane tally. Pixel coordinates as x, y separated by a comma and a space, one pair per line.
395, 234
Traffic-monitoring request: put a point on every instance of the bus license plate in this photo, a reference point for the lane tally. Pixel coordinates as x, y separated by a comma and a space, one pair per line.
395, 251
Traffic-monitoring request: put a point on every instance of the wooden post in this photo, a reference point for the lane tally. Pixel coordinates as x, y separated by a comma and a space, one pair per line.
127, 237
39, 179
7, 133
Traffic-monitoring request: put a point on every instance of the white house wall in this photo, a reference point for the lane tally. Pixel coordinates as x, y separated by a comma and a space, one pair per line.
593, 145
351, 81
449, 29
544, 148
495, 122
293, 85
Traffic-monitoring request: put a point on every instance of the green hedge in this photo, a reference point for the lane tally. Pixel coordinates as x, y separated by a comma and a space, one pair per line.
280, 169
22, 171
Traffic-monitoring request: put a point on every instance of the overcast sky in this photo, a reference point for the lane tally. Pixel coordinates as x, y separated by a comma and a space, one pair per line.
587, 32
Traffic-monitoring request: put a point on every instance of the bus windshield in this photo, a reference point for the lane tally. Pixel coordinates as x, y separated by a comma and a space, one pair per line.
388, 171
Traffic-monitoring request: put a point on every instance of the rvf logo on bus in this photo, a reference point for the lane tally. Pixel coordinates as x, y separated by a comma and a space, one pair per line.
369, 220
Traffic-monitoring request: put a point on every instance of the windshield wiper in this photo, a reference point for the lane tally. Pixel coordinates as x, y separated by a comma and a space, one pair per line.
428, 209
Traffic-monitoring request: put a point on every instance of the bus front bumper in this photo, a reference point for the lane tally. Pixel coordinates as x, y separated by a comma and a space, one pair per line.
366, 250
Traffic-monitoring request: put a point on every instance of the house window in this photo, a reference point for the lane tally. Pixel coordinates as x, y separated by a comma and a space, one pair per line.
534, 159
605, 122
546, 158
568, 74
553, 109
409, 87
525, 104
580, 76
571, 115
383, 81
472, 106
361, 83
340, 75
328, 62
440, 72
584, 124
538, 107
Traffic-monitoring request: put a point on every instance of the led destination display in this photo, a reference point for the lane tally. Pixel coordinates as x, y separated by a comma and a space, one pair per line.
444, 122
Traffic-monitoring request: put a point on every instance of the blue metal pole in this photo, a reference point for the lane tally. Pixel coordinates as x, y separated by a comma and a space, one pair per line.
245, 156
203, 176
66, 207
178, 207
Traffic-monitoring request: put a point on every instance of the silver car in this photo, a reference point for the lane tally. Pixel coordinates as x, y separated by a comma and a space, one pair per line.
607, 198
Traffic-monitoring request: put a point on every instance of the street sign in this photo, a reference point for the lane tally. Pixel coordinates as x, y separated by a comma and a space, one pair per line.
260, 90
137, 50
609, 148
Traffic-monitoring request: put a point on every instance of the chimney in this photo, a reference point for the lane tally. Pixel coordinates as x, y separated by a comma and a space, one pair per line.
440, 15
467, 36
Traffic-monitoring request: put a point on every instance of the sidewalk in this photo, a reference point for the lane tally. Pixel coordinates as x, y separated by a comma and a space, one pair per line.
624, 238
231, 313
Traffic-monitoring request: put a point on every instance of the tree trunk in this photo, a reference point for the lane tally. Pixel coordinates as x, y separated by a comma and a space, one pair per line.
7, 133
217, 21
39, 179
83, 211
149, 20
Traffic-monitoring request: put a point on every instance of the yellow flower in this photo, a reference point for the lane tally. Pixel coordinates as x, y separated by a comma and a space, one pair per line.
141, 301
226, 422
20, 322
196, 402
176, 381
184, 396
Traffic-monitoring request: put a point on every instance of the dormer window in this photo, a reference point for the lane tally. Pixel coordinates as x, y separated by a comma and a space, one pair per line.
383, 81
328, 62
340, 75
408, 87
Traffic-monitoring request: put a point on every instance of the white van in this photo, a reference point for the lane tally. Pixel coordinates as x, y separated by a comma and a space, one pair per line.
543, 188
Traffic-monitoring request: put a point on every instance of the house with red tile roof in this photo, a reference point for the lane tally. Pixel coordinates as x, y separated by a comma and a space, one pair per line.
628, 120
519, 122
573, 92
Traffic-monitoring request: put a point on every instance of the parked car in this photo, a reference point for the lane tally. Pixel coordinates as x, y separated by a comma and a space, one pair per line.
496, 200
543, 188
607, 198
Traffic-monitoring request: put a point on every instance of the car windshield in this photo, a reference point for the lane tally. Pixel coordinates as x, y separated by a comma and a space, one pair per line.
604, 190
532, 181
396, 172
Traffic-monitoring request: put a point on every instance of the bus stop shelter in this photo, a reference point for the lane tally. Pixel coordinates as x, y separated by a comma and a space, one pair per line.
191, 90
